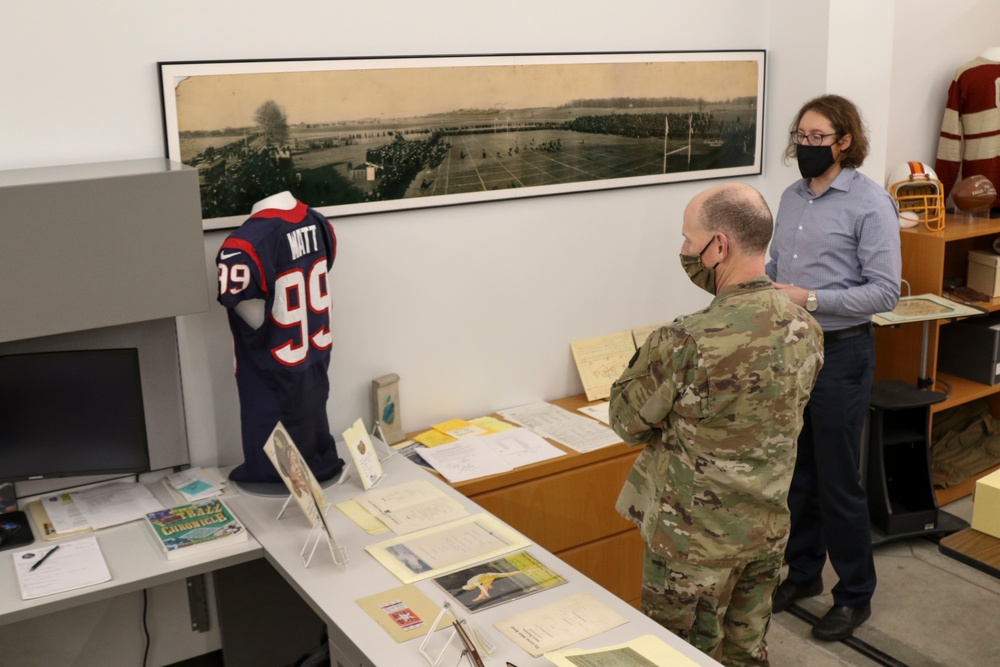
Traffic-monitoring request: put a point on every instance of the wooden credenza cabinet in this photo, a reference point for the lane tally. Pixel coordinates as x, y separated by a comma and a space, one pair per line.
567, 505
930, 258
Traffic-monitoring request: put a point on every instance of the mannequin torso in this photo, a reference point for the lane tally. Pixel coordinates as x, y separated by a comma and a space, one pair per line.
283, 200
251, 311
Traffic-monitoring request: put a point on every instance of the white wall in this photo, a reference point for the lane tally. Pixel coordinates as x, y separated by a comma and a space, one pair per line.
932, 40
474, 306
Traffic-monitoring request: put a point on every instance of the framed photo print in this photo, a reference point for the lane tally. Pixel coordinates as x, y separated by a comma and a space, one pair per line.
350, 136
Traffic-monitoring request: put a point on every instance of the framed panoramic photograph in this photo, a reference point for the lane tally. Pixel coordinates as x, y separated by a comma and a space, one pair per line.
352, 136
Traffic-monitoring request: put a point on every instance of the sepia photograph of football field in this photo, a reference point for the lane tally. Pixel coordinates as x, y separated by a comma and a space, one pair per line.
350, 141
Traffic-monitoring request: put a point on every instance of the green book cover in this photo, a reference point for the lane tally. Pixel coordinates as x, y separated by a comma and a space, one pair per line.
195, 527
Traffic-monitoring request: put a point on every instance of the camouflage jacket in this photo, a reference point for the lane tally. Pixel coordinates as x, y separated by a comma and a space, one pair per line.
718, 396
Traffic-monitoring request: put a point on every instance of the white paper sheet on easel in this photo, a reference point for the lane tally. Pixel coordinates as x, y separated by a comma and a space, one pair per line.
363, 454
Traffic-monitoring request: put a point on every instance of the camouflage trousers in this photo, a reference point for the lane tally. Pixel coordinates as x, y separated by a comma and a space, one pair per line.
723, 612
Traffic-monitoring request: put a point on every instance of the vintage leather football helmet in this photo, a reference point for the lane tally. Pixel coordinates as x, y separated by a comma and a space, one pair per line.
919, 195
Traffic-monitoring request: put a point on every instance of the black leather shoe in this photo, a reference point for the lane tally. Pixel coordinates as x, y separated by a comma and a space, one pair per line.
787, 592
839, 622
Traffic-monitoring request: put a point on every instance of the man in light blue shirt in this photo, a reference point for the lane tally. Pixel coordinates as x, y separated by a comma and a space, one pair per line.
836, 252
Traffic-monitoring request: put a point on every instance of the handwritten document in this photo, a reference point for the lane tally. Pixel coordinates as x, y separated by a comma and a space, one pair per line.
640, 334
559, 624
73, 565
465, 459
602, 360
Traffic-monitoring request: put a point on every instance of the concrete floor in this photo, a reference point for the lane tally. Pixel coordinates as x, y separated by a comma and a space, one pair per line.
929, 610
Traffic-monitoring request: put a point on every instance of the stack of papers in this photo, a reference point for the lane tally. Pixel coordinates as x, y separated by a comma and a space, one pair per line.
453, 429
67, 566
491, 454
94, 508
575, 431
112, 504
197, 483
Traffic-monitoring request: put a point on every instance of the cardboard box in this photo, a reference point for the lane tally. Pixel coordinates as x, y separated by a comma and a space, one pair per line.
984, 272
986, 505
971, 349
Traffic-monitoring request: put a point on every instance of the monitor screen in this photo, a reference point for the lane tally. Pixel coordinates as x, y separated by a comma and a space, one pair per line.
71, 413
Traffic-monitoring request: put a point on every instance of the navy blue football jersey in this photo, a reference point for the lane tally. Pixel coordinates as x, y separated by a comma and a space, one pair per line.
282, 257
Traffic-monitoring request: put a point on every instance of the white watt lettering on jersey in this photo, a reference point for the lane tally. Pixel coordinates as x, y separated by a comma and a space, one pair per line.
302, 241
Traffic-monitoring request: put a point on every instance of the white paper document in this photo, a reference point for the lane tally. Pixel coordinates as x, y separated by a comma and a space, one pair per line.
520, 447
560, 624
112, 504
67, 566
465, 459
599, 411
575, 431
413, 506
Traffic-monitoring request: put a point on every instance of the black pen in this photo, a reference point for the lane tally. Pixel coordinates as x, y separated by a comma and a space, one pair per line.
470, 646
511, 664
42, 560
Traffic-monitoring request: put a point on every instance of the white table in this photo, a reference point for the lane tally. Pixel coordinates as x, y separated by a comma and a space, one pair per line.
356, 640
134, 560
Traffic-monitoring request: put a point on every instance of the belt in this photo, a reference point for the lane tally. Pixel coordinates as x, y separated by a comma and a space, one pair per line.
840, 334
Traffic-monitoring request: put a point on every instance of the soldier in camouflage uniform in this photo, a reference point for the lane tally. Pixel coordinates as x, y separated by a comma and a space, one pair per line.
717, 398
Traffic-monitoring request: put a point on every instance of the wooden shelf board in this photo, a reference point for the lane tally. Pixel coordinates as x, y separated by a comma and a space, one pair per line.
962, 391
957, 228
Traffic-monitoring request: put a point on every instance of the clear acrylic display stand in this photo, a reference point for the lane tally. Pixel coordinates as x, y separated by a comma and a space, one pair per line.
482, 643
316, 534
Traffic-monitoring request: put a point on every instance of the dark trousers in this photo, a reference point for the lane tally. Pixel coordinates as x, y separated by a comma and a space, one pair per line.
828, 504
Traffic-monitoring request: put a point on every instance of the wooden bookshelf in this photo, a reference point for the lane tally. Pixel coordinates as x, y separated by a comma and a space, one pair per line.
929, 260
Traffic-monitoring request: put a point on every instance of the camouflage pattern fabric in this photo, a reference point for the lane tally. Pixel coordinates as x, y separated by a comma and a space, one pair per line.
965, 441
723, 612
718, 396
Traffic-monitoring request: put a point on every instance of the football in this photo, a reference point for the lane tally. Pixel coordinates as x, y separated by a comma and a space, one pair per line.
973, 193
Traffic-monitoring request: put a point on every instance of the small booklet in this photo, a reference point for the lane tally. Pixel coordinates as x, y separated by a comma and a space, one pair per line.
488, 584
363, 454
57, 516
190, 529
64, 567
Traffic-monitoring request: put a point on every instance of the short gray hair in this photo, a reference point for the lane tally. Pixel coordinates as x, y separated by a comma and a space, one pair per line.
740, 212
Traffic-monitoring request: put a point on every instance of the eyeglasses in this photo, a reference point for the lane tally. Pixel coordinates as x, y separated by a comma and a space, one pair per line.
815, 139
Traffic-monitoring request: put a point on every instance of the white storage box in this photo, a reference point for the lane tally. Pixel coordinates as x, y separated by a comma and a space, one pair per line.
984, 272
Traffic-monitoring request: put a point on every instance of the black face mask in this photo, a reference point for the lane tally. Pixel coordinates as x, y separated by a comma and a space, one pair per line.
814, 160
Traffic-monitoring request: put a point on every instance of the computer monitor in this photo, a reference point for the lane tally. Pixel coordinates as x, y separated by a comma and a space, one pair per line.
71, 413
